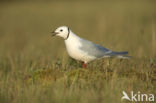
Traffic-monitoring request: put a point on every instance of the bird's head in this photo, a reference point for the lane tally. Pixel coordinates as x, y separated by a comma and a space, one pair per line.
62, 31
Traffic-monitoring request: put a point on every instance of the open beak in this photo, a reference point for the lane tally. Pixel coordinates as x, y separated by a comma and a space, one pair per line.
54, 33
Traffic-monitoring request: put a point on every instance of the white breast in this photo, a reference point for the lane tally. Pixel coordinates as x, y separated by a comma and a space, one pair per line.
72, 45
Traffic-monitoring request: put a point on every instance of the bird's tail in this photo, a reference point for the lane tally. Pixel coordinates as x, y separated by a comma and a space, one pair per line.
120, 54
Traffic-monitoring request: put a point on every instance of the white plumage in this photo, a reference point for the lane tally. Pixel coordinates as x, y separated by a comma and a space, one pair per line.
84, 50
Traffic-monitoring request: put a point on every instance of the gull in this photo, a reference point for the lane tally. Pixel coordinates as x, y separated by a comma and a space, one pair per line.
84, 50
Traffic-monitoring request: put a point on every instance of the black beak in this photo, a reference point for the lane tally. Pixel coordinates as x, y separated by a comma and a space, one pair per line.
54, 33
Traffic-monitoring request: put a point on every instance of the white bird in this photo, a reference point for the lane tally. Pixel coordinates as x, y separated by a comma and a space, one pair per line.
84, 50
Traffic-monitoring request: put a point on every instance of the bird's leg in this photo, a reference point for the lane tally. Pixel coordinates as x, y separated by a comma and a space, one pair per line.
84, 65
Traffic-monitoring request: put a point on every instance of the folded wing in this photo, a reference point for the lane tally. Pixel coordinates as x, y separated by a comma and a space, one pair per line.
98, 51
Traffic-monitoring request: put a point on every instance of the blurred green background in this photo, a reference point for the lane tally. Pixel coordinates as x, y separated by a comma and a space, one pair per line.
27, 50
124, 25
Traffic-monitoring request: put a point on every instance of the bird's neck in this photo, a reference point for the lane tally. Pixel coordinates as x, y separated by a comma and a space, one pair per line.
72, 37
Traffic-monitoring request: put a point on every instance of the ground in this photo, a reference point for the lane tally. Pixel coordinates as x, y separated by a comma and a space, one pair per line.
35, 68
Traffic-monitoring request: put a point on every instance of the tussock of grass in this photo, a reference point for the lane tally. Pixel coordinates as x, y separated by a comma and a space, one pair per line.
70, 84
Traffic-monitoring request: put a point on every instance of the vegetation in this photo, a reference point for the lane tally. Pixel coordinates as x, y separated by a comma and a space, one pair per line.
35, 68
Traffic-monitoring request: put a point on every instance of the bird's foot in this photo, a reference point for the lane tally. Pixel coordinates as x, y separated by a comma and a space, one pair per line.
84, 65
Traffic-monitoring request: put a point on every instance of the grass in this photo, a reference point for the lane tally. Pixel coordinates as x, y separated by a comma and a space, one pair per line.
35, 68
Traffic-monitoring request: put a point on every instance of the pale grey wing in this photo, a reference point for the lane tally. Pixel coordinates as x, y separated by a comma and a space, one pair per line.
94, 49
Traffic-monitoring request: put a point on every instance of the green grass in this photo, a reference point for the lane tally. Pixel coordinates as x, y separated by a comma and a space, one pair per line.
35, 68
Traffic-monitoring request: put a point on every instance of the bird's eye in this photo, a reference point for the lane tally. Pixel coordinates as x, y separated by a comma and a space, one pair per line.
61, 30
